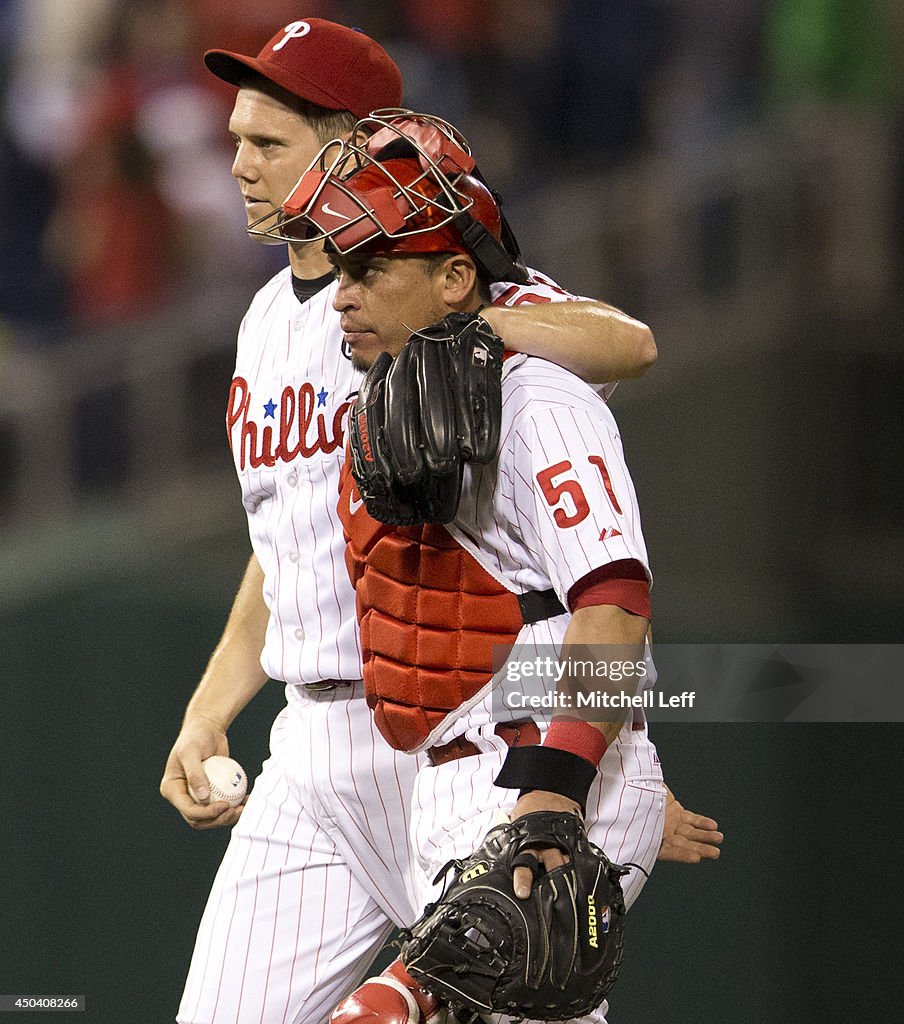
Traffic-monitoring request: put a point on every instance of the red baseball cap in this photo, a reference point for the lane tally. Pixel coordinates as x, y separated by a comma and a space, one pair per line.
331, 65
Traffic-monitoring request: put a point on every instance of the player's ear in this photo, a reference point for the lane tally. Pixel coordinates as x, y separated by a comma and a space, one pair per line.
459, 280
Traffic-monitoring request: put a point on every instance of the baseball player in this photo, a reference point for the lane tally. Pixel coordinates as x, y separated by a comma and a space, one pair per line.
318, 866
553, 517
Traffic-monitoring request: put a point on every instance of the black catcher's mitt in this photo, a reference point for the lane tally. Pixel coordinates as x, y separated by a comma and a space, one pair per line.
420, 417
553, 956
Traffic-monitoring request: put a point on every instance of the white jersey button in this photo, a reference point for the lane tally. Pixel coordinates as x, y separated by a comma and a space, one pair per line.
292, 479
293, 556
299, 634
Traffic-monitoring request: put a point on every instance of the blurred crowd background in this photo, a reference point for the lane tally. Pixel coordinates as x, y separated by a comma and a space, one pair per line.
729, 171
115, 200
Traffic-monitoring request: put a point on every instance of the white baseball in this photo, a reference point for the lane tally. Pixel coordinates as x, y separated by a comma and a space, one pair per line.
227, 779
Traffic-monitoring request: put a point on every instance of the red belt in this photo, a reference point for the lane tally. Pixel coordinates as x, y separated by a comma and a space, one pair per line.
514, 734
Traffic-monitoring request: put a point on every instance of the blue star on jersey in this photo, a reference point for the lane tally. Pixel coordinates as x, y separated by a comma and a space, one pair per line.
270, 409
322, 396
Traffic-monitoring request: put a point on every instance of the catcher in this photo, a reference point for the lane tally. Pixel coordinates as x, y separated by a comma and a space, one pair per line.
541, 549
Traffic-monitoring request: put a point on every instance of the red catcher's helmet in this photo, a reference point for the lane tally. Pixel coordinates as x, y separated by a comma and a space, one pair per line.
395, 207
402, 184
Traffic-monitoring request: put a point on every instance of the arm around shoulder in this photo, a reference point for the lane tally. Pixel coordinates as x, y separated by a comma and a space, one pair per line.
595, 341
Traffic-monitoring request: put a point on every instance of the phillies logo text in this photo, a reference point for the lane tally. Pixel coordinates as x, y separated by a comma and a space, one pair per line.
296, 430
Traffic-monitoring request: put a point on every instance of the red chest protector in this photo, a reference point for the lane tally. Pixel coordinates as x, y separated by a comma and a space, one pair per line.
429, 614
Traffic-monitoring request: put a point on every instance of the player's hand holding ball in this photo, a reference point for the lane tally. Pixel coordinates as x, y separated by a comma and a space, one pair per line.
205, 799
226, 780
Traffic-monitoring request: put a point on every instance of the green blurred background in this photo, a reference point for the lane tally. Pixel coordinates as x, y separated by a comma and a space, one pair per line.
733, 174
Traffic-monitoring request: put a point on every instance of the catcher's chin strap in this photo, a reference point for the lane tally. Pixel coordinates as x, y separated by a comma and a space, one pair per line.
510, 245
491, 256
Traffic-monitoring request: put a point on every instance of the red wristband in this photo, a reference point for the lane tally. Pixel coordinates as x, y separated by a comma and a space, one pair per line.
577, 738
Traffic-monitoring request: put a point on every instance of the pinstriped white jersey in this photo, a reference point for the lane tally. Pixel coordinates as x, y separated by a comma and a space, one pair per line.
286, 419
555, 504
558, 501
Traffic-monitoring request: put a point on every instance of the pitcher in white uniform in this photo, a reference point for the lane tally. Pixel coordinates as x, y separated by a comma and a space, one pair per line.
318, 865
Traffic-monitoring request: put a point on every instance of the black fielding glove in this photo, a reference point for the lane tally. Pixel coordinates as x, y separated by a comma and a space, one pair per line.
419, 418
553, 956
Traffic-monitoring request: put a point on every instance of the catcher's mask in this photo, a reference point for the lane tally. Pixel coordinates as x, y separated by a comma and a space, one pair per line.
403, 183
